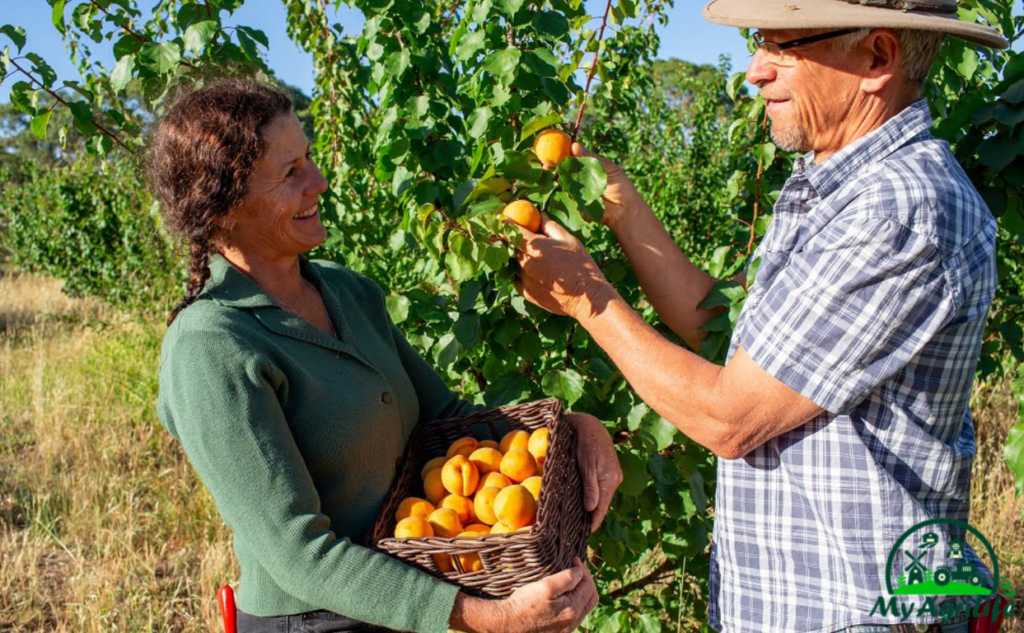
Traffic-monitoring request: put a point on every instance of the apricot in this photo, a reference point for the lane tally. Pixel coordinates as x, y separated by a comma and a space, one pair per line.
518, 465
470, 562
483, 505
445, 522
414, 507
523, 213
490, 444
480, 529
501, 528
413, 527
515, 439
494, 480
538, 445
552, 147
463, 506
433, 486
437, 462
533, 485
444, 563
514, 506
486, 460
460, 476
463, 446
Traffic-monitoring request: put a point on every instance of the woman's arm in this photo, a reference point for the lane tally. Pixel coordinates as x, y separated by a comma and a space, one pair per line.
220, 400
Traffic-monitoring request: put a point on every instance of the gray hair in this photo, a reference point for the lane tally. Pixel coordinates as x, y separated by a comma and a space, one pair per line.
920, 50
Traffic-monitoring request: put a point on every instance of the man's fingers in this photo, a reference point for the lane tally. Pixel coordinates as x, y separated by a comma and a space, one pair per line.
565, 581
552, 228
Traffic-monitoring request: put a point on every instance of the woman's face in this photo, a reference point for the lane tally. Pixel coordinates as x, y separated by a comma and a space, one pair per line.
279, 218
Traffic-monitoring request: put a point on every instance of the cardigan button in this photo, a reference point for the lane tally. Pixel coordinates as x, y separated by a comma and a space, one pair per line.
386, 398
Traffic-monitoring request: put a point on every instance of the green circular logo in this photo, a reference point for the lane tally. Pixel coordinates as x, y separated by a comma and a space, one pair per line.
959, 578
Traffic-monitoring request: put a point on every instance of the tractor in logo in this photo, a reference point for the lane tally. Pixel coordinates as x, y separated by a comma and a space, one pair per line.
962, 571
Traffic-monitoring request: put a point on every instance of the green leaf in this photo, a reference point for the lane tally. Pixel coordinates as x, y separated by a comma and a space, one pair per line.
162, 58
45, 72
660, 429
478, 122
122, 73
469, 46
634, 474
467, 329
257, 35
564, 384
448, 349
39, 124
723, 293
541, 62
22, 97
16, 33
82, 113
502, 64
584, 179
200, 34
507, 389
509, 7
397, 63
1013, 453
539, 123
57, 16
550, 24
997, 152
127, 45
398, 308
968, 63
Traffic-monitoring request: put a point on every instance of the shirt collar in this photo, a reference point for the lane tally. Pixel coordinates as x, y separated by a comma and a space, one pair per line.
229, 286
912, 122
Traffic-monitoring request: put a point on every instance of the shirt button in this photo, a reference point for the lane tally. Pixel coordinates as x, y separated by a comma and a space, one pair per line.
386, 398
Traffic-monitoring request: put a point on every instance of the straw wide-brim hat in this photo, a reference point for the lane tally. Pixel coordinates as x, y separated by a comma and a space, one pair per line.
923, 15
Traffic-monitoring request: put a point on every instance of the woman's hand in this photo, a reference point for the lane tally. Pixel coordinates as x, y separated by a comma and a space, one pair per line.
556, 604
599, 465
620, 196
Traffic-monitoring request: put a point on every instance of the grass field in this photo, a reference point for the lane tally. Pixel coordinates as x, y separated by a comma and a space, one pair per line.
103, 525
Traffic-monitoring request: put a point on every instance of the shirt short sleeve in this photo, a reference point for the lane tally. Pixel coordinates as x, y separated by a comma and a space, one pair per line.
847, 312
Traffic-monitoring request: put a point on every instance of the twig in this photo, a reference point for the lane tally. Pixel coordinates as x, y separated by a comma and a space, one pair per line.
61, 101
651, 578
330, 62
123, 25
593, 67
757, 192
448, 16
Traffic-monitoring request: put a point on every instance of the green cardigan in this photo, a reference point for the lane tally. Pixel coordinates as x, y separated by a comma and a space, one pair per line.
296, 434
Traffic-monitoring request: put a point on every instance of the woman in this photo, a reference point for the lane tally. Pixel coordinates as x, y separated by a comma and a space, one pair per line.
293, 394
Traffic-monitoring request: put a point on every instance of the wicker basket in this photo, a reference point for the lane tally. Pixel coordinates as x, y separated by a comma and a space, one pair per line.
509, 560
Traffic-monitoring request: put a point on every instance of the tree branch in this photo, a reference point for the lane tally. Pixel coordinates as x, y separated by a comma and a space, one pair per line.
61, 101
123, 25
593, 67
654, 576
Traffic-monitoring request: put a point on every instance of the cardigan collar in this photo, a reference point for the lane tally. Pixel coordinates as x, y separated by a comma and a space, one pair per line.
230, 287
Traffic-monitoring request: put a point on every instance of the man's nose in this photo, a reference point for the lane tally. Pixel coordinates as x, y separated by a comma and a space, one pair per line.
760, 69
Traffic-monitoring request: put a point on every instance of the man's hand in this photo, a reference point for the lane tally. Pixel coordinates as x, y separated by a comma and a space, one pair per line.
620, 196
599, 465
558, 274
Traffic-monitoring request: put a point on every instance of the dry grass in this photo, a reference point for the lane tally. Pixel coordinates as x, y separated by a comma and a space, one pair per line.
104, 526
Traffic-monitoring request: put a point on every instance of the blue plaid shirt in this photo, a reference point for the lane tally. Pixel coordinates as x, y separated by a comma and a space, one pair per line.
875, 280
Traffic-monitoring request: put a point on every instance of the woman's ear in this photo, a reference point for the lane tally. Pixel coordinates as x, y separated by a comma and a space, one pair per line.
225, 222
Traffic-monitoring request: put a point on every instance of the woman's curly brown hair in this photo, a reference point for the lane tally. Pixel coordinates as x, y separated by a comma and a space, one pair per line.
201, 159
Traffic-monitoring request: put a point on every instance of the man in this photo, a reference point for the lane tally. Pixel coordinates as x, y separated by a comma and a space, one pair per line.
841, 418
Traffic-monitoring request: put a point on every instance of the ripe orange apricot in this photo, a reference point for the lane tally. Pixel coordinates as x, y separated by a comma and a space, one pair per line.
523, 213
445, 522
470, 562
463, 446
460, 476
413, 527
444, 563
463, 506
494, 480
433, 486
479, 528
414, 507
552, 147
515, 439
486, 460
437, 462
533, 485
483, 505
518, 465
538, 445
501, 528
514, 506
489, 444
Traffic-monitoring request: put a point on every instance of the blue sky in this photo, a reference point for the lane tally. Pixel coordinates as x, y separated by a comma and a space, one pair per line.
687, 37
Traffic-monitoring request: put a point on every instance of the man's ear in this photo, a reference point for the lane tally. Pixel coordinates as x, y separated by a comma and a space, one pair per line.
885, 55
